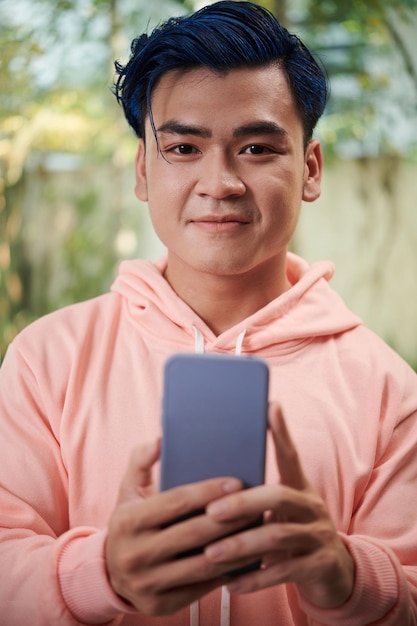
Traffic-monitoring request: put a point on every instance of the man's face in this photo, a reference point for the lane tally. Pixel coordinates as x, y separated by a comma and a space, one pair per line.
225, 189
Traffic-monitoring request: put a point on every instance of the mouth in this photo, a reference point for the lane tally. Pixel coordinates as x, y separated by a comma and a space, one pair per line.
220, 223
227, 217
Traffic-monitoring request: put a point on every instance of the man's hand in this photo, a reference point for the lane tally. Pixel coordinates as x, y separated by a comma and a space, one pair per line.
298, 542
141, 551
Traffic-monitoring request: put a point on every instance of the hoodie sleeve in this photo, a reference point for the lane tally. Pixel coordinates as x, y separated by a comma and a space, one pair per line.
382, 536
382, 594
38, 551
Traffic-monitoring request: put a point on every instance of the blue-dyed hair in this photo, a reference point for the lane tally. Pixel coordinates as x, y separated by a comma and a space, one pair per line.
223, 36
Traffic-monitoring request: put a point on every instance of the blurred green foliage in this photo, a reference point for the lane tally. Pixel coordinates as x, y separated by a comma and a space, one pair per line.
56, 106
57, 112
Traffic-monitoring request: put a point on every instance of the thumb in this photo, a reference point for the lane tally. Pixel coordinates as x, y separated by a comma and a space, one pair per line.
137, 481
288, 461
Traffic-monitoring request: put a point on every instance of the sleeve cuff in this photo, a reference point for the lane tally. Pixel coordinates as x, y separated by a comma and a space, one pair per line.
375, 592
84, 582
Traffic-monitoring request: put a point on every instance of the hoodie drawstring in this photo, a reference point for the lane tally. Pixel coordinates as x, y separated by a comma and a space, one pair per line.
225, 599
199, 341
225, 607
224, 610
195, 613
239, 341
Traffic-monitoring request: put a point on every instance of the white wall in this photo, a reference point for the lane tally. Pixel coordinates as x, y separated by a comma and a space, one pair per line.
366, 222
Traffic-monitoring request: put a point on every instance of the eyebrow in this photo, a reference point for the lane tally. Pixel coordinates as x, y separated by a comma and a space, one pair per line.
260, 128
253, 128
178, 128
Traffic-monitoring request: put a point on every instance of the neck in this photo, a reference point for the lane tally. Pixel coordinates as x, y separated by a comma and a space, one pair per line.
224, 301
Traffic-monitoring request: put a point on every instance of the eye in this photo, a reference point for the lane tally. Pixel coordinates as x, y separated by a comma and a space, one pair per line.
257, 148
184, 148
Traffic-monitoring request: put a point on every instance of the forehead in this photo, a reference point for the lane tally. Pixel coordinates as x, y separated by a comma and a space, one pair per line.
224, 99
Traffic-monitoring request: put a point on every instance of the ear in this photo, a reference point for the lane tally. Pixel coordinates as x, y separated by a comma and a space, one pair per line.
313, 167
141, 187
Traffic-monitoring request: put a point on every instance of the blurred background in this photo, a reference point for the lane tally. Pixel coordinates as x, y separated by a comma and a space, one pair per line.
68, 214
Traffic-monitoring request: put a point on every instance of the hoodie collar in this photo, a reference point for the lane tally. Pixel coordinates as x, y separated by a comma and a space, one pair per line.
309, 309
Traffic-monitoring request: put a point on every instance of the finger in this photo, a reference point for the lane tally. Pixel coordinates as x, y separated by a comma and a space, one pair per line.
288, 461
192, 535
281, 571
166, 507
167, 602
138, 476
324, 586
276, 541
179, 597
281, 503
188, 572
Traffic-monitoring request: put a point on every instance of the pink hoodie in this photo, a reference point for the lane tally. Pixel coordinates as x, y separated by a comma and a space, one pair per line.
81, 387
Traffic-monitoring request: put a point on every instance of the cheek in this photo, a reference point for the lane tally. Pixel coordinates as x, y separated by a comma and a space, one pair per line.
163, 214
158, 219
167, 184
282, 217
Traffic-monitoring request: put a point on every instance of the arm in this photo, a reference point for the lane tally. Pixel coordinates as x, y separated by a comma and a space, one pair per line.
57, 574
345, 579
36, 538
33, 503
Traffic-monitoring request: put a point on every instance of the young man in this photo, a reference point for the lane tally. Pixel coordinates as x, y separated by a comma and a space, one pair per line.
224, 103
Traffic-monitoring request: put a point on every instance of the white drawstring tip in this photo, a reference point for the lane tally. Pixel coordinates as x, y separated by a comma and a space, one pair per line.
198, 340
239, 341
195, 614
225, 607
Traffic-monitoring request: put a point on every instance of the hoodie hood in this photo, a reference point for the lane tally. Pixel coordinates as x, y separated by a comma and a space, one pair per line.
309, 309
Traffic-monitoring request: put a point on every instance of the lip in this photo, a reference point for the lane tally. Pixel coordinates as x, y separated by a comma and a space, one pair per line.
220, 219
220, 223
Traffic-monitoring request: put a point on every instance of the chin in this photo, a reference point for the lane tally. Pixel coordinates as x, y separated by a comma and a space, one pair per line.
218, 267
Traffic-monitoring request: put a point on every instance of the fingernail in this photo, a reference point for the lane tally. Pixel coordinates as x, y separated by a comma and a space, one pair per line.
217, 508
214, 551
231, 484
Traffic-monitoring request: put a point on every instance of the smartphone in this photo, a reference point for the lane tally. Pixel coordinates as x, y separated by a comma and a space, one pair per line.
214, 420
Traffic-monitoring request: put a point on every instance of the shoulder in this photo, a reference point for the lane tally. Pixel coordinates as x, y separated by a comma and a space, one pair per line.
368, 350
69, 329
378, 370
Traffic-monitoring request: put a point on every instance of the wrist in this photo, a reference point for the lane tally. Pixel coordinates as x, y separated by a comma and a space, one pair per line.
336, 587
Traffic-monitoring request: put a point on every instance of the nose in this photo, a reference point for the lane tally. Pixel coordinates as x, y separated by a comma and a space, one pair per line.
218, 177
